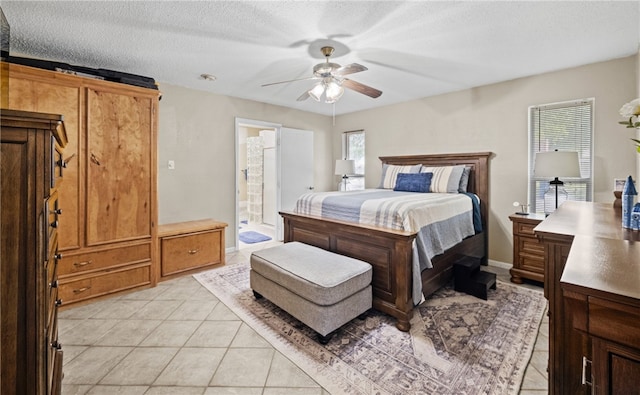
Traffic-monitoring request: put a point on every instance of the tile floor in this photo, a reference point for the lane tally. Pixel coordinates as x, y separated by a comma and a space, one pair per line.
159, 341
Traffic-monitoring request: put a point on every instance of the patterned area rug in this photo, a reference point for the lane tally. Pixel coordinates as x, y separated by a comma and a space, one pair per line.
458, 344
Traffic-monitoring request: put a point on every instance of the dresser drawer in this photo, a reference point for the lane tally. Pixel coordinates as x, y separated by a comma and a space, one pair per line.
100, 260
104, 283
52, 344
53, 211
614, 321
190, 251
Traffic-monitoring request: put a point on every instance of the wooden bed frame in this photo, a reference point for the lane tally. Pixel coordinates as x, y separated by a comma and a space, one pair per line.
389, 251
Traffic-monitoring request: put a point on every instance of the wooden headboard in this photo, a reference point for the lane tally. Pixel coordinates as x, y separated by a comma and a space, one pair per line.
478, 177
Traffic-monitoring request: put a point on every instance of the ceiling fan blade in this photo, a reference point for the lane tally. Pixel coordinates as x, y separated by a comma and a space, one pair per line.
304, 96
361, 88
284, 82
350, 69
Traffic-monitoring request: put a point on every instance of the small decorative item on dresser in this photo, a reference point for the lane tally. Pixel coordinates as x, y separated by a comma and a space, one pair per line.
629, 194
635, 217
524, 208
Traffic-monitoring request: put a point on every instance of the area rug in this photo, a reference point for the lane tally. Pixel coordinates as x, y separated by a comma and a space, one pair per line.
458, 344
251, 237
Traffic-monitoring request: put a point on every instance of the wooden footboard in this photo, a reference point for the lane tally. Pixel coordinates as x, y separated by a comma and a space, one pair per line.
388, 251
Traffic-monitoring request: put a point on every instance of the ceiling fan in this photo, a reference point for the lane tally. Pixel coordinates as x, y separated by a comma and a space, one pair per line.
332, 80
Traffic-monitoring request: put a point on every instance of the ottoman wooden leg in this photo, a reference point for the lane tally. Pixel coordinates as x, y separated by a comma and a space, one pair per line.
324, 339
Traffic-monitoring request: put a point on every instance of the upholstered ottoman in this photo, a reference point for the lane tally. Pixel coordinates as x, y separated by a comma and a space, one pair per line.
321, 289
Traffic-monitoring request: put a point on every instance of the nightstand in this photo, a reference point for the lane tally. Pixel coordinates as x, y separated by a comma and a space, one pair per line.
528, 252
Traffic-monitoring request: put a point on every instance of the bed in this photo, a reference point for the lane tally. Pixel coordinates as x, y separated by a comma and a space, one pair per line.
391, 252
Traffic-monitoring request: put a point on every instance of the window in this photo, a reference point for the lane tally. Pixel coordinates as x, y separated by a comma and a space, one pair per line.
566, 126
353, 148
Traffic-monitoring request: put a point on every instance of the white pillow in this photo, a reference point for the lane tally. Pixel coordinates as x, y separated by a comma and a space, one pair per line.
446, 179
390, 173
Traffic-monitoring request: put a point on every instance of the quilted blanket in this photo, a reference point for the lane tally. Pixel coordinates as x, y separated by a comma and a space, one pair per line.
440, 220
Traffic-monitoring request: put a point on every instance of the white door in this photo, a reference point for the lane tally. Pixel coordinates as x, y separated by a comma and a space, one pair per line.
295, 170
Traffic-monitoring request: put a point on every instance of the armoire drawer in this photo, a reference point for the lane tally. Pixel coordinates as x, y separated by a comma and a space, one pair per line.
189, 246
190, 251
103, 283
100, 260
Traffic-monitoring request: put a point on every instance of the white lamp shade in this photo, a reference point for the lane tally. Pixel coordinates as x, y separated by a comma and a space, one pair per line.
333, 92
559, 164
316, 91
345, 166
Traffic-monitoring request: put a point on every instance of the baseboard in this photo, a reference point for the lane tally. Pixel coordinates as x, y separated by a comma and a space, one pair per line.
503, 265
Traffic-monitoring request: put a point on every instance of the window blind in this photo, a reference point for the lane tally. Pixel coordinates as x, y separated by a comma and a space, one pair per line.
566, 126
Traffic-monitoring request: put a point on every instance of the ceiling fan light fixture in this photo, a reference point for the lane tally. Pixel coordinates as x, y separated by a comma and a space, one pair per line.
333, 92
317, 91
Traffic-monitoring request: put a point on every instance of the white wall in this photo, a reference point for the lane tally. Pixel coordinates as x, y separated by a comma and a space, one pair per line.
197, 131
494, 118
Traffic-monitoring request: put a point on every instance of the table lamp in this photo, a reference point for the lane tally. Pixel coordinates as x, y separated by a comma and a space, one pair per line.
556, 164
343, 168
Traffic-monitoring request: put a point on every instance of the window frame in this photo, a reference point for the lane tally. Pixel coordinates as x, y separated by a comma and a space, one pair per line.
346, 155
580, 189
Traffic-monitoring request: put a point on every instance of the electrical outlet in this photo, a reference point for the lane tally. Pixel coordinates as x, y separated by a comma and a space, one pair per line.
171, 165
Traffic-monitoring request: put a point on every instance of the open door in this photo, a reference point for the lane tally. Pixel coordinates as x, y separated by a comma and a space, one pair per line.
295, 170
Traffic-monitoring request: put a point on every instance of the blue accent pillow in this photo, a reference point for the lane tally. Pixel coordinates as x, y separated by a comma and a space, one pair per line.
413, 182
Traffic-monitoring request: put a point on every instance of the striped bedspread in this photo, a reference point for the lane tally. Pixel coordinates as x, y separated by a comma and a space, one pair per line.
440, 220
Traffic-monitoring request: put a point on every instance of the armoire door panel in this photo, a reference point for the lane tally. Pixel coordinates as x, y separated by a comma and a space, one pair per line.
39, 96
119, 171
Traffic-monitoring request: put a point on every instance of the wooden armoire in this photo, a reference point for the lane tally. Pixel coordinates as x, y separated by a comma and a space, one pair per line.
107, 235
31, 171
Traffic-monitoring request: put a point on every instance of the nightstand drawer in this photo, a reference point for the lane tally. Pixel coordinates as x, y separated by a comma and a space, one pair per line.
525, 228
528, 252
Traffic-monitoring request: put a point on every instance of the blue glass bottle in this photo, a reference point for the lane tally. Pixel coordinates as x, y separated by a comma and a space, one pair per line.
628, 196
635, 217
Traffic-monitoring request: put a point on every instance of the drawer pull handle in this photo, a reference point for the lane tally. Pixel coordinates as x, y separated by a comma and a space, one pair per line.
58, 302
54, 284
94, 159
81, 264
57, 211
54, 224
585, 362
57, 256
191, 252
80, 290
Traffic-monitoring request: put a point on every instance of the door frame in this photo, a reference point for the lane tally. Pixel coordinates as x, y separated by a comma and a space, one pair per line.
239, 122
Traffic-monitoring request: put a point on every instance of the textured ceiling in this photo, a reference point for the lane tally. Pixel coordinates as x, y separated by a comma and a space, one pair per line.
412, 49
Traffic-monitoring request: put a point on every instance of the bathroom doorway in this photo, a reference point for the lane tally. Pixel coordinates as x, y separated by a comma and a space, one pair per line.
256, 183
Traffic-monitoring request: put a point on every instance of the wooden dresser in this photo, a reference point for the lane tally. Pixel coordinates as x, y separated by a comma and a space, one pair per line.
601, 285
108, 233
32, 167
567, 347
528, 251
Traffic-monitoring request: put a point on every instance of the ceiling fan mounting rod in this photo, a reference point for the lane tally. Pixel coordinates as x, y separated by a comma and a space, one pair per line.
327, 52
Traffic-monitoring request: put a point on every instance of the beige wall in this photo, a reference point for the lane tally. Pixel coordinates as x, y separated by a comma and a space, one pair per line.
197, 131
494, 118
